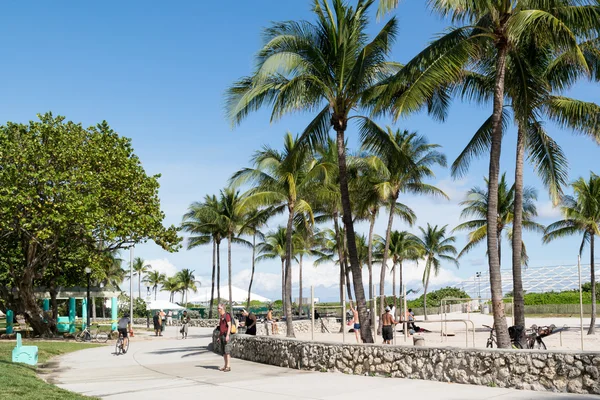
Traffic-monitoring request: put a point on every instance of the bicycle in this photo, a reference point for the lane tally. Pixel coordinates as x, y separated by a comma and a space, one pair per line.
87, 336
121, 346
535, 335
491, 341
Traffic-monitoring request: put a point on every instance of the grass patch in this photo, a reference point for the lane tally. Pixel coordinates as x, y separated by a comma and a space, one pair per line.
19, 381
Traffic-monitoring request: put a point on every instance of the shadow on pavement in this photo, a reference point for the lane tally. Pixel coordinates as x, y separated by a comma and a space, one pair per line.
213, 367
195, 350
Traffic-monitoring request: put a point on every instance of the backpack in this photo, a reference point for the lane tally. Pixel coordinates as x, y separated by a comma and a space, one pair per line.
233, 324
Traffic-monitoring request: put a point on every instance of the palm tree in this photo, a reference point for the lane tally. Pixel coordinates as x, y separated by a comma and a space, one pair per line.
172, 285
581, 215
203, 223
140, 268
405, 160
403, 246
255, 219
283, 179
275, 246
476, 206
491, 31
154, 279
307, 241
327, 65
187, 282
436, 247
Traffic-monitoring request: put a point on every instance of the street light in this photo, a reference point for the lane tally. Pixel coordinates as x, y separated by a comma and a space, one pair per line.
147, 311
88, 271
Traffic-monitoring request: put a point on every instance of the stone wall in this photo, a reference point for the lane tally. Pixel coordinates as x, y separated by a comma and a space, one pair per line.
522, 369
302, 326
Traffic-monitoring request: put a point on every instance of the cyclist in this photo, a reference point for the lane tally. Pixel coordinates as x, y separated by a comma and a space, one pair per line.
123, 327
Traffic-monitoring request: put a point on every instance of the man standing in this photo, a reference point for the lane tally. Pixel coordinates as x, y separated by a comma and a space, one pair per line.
224, 332
156, 320
388, 322
185, 319
163, 321
249, 323
356, 323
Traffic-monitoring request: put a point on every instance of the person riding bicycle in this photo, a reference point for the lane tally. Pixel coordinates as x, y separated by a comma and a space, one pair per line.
123, 327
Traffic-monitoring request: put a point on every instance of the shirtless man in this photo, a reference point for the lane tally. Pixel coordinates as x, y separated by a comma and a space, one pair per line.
271, 321
388, 322
356, 323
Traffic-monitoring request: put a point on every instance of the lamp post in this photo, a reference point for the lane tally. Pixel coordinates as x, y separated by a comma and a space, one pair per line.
88, 271
131, 283
478, 276
147, 311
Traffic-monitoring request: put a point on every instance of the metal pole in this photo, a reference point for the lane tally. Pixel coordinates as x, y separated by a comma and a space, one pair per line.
405, 326
580, 301
131, 283
312, 313
344, 318
88, 301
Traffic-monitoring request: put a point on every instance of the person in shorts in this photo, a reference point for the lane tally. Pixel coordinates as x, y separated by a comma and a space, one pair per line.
123, 327
157, 321
249, 322
185, 320
388, 322
224, 336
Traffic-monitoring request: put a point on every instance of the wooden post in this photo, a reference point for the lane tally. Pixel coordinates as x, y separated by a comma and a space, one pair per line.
405, 315
580, 301
312, 313
374, 316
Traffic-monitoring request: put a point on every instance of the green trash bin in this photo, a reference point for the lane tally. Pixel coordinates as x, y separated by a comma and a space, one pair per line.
62, 324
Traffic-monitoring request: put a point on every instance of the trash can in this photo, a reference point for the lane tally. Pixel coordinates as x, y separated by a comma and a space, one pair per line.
62, 324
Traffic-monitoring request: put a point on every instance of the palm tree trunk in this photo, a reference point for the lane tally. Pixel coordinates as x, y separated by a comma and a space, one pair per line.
394, 283
359, 290
155, 290
370, 256
103, 307
300, 287
425, 286
288, 272
140, 285
492, 211
517, 239
212, 288
341, 257
219, 270
592, 329
252, 273
385, 255
342, 288
229, 239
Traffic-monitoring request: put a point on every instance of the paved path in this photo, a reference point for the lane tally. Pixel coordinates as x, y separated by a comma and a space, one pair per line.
167, 368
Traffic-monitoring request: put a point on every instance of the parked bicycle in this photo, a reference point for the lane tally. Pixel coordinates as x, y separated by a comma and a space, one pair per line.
535, 334
492, 342
122, 345
87, 336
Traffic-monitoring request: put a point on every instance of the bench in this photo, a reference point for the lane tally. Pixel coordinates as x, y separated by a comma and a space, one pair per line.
24, 354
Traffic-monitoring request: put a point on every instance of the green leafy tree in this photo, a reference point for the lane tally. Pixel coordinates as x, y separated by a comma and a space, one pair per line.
275, 246
187, 282
154, 279
65, 186
436, 247
329, 65
581, 215
405, 160
434, 299
172, 284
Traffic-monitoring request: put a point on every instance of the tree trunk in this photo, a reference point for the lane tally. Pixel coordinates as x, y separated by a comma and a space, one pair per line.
401, 287
517, 240
385, 255
359, 290
492, 211
341, 257
342, 288
425, 286
394, 284
103, 307
592, 329
229, 238
288, 272
140, 285
31, 310
155, 291
252, 273
212, 288
218, 270
370, 256
283, 284
54, 305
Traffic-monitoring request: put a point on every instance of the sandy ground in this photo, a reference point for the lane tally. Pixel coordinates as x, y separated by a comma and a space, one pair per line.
568, 340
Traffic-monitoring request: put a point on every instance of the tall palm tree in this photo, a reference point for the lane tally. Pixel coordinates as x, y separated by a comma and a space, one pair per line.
581, 214
475, 205
436, 247
327, 65
403, 246
154, 279
172, 285
140, 268
275, 246
307, 242
405, 160
255, 220
490, 32
283, 179
202, 221
188, 282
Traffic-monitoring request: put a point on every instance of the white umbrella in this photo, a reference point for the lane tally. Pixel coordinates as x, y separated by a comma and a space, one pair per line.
163, 305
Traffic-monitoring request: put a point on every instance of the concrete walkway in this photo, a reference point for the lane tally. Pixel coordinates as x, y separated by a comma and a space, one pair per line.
166, 368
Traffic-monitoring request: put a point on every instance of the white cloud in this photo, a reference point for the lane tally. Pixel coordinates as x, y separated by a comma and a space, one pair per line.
547, 211
162, 265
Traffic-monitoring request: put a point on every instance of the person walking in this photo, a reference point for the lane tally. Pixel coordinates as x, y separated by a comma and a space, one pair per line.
356, 323
388, 322
185, 320
170, 318
224, 336
156, 320
249, 322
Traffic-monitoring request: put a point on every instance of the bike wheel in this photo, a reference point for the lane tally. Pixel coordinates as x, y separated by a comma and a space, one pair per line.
489, 344
79, 336
125, 346
102, 337
539, 345
118, 347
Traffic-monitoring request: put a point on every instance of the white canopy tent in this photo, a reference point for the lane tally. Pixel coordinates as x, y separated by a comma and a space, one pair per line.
238, 295
163, 305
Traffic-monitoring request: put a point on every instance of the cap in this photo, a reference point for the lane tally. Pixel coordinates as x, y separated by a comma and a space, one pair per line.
387, 308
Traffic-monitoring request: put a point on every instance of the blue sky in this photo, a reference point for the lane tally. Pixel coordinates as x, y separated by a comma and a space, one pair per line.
157, 71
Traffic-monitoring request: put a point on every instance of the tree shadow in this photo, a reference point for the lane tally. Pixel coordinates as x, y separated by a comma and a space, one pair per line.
195, 350
212, 367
